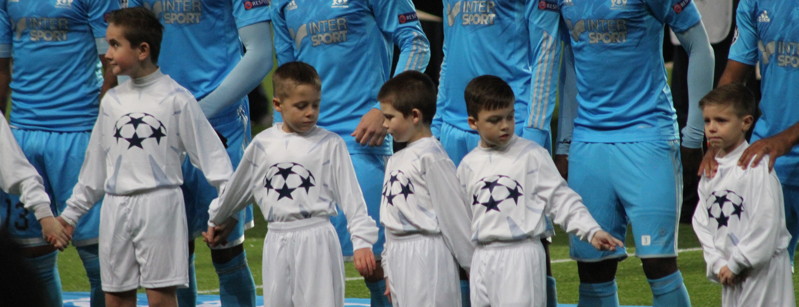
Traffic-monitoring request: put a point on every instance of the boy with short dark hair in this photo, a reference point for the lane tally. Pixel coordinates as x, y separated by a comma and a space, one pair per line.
298, 173
513, 184
423, 207
146, 127
740, 219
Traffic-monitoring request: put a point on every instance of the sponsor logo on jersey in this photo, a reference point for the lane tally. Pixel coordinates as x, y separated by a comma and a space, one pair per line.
599, 31
618, 4
328, 31
568, 3
42, 28
548, 5
177, 11
680, 6
472, 12
63, 4
784, 54
123, 3
251, 4
407, 17
291, 6
763, 17
340, 4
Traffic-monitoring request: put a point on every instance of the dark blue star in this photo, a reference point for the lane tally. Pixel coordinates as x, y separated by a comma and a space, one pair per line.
285, 191
136, 121
490, 185
268, 185
737, 210
157, 134
720, 200
393, 178
491, 204
710, 212
306, 183
285, 172
390, 198
515, 194
118, 133
474, 200
135, 140
722, 220
406, 189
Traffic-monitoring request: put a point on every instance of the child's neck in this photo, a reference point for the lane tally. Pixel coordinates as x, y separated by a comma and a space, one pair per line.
422, 131
725, 151
146, 69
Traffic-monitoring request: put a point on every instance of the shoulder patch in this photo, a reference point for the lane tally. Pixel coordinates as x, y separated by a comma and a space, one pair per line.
680, 6
407, 17
251, 4
548, 5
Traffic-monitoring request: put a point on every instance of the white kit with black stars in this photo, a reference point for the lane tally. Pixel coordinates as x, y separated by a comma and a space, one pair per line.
140, 139
18, 176
294, 177
511, 189
740, 221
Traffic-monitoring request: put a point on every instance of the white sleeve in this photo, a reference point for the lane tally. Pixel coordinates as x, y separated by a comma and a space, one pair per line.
759, 239
451, 207
564, 206
713, 257
347, 193
201, 143
238, 193
18, 176
93, 173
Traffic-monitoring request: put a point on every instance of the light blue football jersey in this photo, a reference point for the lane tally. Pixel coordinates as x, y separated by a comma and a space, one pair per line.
54, 86
191, 52
623, 93
514, 40
768, 31
350, 43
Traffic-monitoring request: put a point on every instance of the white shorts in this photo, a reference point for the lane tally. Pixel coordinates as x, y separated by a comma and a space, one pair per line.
509, 274
143, 241
421, 271
771, 285
302, 264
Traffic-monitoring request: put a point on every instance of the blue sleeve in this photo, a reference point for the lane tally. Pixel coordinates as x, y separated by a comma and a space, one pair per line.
284, 44
255, 64
397, 19
247, 12
567, 109
438, 120
701, 63
5, 34
97, 10
546, 47
680, 15
744, 47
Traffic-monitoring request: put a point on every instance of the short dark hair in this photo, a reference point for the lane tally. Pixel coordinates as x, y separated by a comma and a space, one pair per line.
487, 92
410, 90
139, 25
735, 95
292, 74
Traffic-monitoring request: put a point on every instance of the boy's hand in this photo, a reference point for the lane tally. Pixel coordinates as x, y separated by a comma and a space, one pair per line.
218, 234
370, 130
387, 293
727, 277
709, 165
603, 241
364, 261
67, 227
54, 233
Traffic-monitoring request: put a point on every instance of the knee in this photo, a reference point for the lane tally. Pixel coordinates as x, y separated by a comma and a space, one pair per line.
655, 268
597, 272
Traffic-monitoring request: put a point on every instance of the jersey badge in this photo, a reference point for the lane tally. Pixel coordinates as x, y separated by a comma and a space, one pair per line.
618, 4
291, 6
549, 5
680, 6
63, 4
340, 4
251, 4
397, 184
452, 13
408, 17
495, 190
723, 205
136, 128
286, 177
763, 17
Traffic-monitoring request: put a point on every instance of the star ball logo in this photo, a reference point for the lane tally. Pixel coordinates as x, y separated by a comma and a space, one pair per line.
722, 205
135, 128
397, 185
285, 178
496, 189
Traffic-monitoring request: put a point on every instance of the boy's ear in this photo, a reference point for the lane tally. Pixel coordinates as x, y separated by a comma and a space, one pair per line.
748, 120
144, 51
416, 116
276, 104
472, 122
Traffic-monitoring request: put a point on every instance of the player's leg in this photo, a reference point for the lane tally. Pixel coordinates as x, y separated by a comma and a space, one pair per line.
318, 265
652, 197
162, 297
121, 299
791, 196
590, 179
422, 271
62, 177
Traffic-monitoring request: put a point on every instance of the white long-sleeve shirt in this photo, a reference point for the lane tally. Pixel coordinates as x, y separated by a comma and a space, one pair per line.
18, 176
139, 142
511, 189
293, 177
740, 218
421, 194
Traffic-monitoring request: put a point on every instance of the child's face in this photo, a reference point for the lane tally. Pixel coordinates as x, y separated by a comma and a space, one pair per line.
724, 129
123, 58
494, 126
300, 109
402, 128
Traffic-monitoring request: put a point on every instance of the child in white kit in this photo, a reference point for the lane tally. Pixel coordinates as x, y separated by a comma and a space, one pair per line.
298, 173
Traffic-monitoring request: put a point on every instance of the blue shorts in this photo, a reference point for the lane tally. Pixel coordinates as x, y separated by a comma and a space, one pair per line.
637, 183
369, 169
198, 193
458, 142
58, 156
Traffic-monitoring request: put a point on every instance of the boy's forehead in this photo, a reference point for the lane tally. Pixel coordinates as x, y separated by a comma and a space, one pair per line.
493, 112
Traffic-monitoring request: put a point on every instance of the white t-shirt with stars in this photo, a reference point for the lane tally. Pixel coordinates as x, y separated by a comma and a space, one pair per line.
511, 189
294, 177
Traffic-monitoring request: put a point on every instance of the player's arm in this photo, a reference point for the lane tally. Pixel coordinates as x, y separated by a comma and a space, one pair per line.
546, 52
97, 23
713, 257
5, 81
567, 112
200, 141
254, 65
284, 44
451, 207
701, 63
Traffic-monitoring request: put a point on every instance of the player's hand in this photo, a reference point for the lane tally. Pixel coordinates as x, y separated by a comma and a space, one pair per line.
364, 261
208, 235
709, 165
67, 227
387, 293
370, 130
774, 147
603, 241
54, 233
727, 277
218, 235
562, 163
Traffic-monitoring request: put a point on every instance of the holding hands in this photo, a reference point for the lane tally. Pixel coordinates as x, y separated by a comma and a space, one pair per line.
217, 235
364, 261
56, 231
